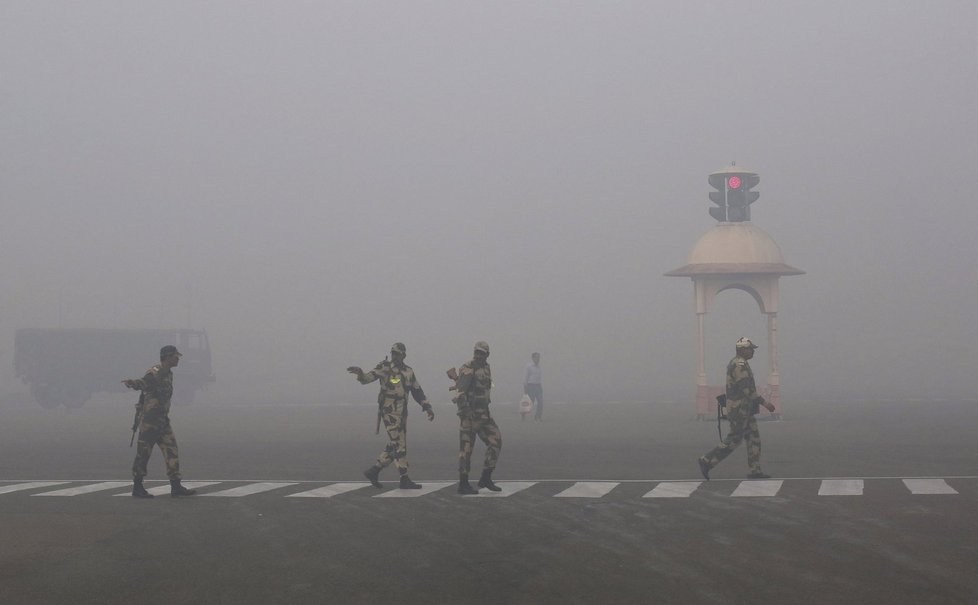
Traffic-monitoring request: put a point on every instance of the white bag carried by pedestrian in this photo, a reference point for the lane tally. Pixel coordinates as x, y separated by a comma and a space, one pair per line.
526, 404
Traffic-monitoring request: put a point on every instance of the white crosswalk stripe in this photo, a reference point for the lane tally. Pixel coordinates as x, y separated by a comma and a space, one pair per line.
571, 489
330, 490
928, 486
426, 488
247, 490
86, 489
673, 489
753, 489
841, 487
19, 487
587, 489
509, 488
162, 490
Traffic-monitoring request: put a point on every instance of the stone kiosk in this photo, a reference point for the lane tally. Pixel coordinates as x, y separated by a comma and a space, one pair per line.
735, 254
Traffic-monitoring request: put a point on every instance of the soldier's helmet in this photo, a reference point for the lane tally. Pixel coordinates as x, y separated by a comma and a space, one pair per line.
398, 347
169, 350
482, 346
745, 343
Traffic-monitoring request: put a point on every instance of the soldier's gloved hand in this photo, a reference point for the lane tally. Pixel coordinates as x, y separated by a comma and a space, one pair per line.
355, 370
768, 405
430, 413
129, 383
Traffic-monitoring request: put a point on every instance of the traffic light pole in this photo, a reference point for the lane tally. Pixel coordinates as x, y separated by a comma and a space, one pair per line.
773, 376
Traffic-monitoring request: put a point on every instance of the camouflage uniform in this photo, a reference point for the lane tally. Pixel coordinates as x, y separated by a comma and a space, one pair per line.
742, 404
154, 422
396, 381
474, 383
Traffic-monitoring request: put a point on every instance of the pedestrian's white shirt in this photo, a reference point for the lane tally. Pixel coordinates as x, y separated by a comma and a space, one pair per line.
533, 374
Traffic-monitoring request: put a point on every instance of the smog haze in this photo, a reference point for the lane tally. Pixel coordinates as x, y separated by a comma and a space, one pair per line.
311, 182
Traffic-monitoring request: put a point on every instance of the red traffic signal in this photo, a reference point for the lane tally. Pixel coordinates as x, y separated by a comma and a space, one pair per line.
733, 194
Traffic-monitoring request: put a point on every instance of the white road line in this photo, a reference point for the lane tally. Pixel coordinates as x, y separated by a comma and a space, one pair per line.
748, 489
86, 489
6, 489
426, 488
841, 487
163, 490
509, 488
673, 489
247, 490
928, 486
587, 489
330, 490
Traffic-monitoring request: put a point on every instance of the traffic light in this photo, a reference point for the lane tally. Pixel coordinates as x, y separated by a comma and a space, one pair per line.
751, 181
719, 197
733, 195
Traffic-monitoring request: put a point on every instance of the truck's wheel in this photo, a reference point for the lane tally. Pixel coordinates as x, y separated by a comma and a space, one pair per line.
75, 399
45, 396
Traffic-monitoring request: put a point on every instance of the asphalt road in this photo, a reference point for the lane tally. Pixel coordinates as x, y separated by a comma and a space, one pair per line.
883, 543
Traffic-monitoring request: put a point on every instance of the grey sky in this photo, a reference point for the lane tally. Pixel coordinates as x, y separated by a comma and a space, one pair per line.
312, 181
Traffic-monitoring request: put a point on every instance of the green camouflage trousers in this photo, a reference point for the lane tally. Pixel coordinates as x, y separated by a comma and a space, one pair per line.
476, 421
742, 426
392, 413
160, 434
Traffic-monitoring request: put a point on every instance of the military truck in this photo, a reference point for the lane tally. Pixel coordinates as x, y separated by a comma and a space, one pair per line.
67, 366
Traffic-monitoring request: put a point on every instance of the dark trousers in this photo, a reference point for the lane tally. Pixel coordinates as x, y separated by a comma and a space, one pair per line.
535, 391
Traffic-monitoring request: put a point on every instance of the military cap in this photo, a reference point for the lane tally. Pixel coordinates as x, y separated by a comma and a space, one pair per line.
482, 346
398, 347
745, 343
169, 350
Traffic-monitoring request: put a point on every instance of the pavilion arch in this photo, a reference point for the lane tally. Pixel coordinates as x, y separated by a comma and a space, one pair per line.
744, 288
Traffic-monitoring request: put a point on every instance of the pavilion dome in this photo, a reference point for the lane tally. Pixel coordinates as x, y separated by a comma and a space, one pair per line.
735, 248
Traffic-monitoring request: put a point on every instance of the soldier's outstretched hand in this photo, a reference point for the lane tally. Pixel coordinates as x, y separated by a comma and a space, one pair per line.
130, 383
355, 370
431, 414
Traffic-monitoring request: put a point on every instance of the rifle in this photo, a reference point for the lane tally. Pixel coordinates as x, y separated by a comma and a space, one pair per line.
459, 399
136, 419
377, 428
721, 412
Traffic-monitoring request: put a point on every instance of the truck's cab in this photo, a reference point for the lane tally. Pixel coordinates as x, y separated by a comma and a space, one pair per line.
67, 366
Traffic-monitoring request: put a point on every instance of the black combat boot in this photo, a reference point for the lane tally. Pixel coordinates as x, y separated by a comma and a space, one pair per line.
138, 491
373, 473
464, 487
704, 468
406, 483
176, 489
486, 481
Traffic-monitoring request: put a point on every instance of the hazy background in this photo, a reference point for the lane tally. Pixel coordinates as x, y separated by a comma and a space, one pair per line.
312, 181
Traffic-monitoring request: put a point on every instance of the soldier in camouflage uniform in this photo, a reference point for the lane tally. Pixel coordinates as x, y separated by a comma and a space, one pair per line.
473, 386
396, 381
742, 404
153, 420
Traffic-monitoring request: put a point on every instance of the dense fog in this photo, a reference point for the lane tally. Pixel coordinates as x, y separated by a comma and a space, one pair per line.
311, 182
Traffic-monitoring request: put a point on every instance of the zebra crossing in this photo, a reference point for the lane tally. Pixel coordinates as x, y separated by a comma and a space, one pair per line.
916, 486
